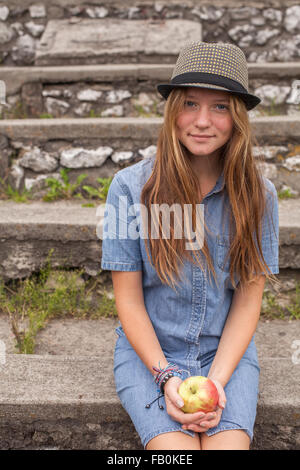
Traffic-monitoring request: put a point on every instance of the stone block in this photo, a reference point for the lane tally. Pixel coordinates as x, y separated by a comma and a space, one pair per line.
95, 41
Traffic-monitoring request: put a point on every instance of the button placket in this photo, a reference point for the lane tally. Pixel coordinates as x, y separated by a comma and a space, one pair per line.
197, 316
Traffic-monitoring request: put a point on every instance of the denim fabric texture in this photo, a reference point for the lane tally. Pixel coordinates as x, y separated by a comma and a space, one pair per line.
189, 322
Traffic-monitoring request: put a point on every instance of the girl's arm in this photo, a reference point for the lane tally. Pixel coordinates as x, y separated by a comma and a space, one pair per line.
134, 318
237, 333
239, 328
141, 335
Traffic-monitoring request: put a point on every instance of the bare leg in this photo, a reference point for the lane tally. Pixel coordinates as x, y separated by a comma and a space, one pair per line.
174, 441
235, 439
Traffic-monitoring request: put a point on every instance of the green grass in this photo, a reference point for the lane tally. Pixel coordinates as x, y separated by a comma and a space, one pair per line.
143, 113
101, 191
93, 114
7, 192
294, 307
60, 190
284, 194
66, 190
33, 302
273, 109
16, 112
46, 116
272, 310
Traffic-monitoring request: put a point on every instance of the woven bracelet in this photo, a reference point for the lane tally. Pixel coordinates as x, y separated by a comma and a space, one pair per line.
161, 378
163, 375
167, 377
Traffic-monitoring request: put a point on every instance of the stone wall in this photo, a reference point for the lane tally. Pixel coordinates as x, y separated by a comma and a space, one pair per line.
33, 164
127, 98
268, 31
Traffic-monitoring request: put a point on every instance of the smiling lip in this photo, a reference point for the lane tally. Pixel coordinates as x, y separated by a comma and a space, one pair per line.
201, 136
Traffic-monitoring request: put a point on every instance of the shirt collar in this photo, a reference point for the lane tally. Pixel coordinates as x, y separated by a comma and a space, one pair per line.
220, 183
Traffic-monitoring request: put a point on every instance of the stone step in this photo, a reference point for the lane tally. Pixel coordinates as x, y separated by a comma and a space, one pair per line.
265, 30
99, 147
270, 130
69, 401
30, 231
16, 77
127, 90
113, 40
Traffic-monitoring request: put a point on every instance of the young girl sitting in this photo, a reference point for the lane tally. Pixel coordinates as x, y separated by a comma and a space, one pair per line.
190, 304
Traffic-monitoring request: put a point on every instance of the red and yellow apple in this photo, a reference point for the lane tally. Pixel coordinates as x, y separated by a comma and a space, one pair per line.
198, 394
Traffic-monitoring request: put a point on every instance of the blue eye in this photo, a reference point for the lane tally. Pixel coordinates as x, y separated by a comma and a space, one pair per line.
192, 104
188, 103
224, 106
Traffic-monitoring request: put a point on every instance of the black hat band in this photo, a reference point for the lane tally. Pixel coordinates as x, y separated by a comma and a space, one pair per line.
213, 79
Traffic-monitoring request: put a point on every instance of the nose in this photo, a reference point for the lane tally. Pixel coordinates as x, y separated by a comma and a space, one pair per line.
203, 117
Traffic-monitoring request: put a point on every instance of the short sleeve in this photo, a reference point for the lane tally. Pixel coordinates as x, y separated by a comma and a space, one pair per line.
120, 237
270, 229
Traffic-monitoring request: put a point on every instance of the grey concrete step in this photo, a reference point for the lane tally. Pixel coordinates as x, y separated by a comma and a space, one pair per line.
126, 90
263, 39
113, 40
34, 149
29, 231
272, 130
65, 227
69, 401
16, 77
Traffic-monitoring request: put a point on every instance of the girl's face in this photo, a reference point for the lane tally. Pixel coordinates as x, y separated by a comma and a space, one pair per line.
205, 124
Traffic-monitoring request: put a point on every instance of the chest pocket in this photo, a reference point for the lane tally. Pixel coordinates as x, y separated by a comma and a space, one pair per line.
223, 246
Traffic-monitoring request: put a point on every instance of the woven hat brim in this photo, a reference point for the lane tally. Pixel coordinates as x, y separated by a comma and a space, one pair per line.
250, 100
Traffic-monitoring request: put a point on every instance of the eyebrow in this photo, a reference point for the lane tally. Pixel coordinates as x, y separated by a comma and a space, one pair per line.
214, 99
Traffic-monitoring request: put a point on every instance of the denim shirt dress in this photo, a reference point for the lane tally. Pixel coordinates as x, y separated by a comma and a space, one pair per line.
189, 322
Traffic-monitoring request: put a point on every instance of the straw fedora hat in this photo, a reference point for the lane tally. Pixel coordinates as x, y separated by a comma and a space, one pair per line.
218, 66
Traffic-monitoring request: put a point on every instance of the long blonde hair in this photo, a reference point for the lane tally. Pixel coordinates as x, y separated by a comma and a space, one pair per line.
174, 181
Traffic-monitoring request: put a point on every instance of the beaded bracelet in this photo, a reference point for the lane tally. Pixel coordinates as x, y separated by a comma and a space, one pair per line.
167, 377
163, 375
161, 378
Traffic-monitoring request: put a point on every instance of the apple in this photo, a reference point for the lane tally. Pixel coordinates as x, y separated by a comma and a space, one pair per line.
199, 394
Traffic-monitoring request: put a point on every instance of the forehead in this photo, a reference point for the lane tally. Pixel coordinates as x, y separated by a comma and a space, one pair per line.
194, 92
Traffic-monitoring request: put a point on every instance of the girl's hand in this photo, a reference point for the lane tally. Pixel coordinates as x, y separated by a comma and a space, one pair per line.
211, 419
174, 402
200, 421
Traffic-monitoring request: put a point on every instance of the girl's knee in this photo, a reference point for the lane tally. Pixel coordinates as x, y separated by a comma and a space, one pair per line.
233, 439
176, 440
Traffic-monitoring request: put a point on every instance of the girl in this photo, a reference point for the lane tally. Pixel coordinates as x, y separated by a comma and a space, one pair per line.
191, 307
